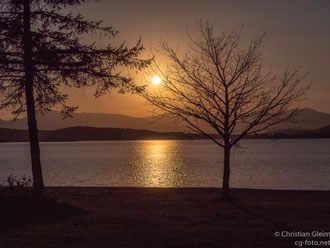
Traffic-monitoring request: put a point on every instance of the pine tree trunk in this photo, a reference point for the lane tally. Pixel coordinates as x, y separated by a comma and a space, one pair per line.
226, 174
38, 184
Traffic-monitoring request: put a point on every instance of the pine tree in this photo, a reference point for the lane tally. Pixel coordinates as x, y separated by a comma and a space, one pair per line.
42, 49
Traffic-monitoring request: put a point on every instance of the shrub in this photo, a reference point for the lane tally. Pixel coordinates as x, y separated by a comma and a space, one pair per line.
19, 205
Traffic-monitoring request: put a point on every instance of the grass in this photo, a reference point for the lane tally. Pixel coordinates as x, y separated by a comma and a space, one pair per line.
20, 206
168, 217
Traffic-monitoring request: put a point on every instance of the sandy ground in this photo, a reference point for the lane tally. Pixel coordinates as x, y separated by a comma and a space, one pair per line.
187, 217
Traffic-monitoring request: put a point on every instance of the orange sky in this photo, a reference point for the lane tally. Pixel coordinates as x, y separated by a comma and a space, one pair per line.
298, 34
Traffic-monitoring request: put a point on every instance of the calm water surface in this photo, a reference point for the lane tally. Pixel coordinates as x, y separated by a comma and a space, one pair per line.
266, 164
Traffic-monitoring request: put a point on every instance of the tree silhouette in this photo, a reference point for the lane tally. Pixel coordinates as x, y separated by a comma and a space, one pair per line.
218, 86
42, 49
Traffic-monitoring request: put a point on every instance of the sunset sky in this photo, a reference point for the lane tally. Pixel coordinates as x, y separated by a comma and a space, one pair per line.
298, 34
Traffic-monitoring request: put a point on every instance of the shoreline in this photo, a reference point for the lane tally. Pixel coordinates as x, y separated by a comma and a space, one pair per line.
130, 140
183, 188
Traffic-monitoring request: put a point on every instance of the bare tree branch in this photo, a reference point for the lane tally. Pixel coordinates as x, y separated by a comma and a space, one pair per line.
219, 86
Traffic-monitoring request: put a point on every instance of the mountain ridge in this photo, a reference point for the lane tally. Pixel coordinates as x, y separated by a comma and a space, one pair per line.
81, 133
107, 134
311, 119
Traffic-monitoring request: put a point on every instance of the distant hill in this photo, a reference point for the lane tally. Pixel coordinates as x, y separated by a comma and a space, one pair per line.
53, 121
323, 132
102, 134
90, 134
310, 119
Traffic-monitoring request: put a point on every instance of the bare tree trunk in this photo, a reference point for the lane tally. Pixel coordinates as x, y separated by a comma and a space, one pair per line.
226, 159
226, 173
38, 184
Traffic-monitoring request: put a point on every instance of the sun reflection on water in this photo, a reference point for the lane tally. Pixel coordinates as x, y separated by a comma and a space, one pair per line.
158, 163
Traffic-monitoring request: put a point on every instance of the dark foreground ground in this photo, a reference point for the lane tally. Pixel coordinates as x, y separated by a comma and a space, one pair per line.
154, 217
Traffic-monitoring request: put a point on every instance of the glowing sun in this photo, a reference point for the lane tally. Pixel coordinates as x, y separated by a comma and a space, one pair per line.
156, 80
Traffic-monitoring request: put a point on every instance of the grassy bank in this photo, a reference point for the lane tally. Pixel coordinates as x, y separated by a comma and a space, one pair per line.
188, 217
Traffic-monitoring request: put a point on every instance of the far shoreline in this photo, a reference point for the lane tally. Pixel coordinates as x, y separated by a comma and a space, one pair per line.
85, 133
77, 141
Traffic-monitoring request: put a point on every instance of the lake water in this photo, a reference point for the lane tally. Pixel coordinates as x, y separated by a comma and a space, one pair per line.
262, 164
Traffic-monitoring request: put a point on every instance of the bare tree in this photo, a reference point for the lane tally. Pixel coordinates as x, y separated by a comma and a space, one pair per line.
41, 50
220, 86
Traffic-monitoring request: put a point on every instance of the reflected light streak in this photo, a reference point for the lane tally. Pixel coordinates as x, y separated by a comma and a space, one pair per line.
159, 159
